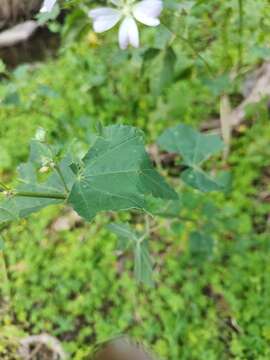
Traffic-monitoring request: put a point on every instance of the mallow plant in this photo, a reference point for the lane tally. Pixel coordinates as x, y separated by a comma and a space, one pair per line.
117, 173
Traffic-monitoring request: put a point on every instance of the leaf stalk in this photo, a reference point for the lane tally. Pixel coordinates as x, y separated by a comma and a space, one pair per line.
56, 196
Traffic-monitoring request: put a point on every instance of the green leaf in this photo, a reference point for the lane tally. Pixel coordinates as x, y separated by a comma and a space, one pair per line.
143, 263
47, 91
117, 175
150, 54
260, 52
128, 239
162, 37
16, 207
193, 146
43, 18
27, 173
40, 153
184, 6
162, 71
12, 98
219, 85
126, 236
2, 67
202, 181
163, 208
201, 244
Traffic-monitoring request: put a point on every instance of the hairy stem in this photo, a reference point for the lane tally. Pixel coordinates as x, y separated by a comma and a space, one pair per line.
57, 196
240, 32
187, 41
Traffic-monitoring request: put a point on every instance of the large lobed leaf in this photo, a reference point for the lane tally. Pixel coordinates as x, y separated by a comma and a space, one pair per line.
117, 175
193, 146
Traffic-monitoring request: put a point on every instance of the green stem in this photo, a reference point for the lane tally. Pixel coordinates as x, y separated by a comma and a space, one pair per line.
5, 278
187, 41
3, 186
240, 31
207, 65
41, 195
58, 169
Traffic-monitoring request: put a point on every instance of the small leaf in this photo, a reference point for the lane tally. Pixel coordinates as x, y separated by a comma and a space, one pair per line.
193, 146
219, 85
12, 98
150, 54
128, 239
260, 52
162, 37
200, 180
143, 263
117, 175
47, 92
2, 67
41, 153
163, 71
43, 18
16, 207
163, 208
201, 244
184, 6
126, 236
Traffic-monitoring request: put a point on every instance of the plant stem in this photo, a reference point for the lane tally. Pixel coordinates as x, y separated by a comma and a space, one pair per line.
240, 32
41, 195
58, 169
187, 41
5, 279
3, 186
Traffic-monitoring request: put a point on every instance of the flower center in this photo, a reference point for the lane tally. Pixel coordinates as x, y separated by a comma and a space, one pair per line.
127, 10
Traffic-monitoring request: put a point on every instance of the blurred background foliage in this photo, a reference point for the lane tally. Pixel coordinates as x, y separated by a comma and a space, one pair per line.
211, 298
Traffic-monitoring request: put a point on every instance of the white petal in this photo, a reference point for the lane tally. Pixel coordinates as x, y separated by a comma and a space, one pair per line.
148, 11
104, 18
48, 5
128, 33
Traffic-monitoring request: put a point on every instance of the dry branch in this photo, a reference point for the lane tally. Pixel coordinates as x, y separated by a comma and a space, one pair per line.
33, 346
18, 33
259, 89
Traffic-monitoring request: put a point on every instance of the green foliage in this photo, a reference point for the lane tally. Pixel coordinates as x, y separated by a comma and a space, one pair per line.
138, 243
195, 149
116, 175
206, 254
200, 245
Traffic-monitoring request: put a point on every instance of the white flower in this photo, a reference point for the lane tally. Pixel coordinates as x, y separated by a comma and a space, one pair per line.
145, 11
48, 6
